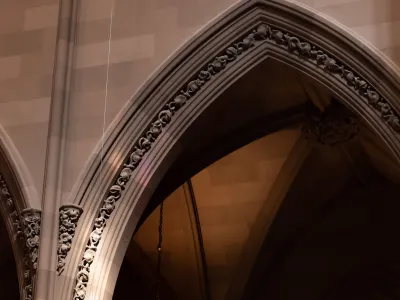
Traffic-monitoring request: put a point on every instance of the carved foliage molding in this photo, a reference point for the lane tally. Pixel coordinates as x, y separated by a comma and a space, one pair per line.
262, 33
26, 227
31, 219
31, 223
144, 143
335, 126
14, 217
69, 217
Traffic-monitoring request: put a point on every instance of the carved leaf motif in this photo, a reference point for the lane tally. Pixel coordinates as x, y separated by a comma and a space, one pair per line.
69, 217
31, 223
19, 236
334, 126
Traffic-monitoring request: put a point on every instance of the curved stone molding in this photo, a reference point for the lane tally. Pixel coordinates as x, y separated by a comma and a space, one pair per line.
18, 237
13, 213
334, 126
30, 219
15, 172
322, 59
30, 197
69, 217
304, 50
20, 233
143, 145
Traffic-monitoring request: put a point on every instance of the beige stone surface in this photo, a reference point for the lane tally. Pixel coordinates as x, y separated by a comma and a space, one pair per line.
10, 67
144, 34
27, 45
41, 17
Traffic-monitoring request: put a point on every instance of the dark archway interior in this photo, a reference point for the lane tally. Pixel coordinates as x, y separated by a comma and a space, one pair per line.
334, 236
9, 288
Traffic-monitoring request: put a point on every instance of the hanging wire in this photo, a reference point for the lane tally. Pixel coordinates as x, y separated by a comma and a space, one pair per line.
159, 248
107, 81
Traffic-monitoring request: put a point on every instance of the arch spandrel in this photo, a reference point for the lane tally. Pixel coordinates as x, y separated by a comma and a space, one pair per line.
156, 118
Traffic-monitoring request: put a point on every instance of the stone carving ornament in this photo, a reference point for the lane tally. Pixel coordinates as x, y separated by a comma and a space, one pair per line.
332, 127
26, 232
31, 219
262, 33
69, 217
31, 223
13, 213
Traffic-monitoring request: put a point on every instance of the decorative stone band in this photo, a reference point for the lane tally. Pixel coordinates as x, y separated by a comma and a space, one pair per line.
31, 219
69, 217
335, 126
18, 236
262, 33
31, 224
26, 233
13, 213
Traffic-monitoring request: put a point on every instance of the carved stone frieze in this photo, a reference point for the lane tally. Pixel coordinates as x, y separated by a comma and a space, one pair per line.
28, 279
262, 33
334, 126
13, 213
331, 65
31, 219
69, 217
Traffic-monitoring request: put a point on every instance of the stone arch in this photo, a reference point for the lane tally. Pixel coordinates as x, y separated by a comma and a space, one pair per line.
20, 210
145, 138
15, 163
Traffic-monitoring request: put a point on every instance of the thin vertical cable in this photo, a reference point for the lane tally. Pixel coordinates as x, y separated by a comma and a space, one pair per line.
107, 80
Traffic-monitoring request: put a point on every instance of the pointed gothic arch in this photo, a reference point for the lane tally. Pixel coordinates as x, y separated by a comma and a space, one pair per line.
145, 138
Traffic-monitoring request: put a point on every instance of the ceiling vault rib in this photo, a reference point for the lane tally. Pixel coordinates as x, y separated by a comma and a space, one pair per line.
198, 240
